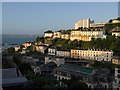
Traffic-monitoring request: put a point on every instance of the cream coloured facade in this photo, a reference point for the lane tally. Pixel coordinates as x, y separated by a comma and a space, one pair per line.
115, 21
63, 53
97, 24
27, 44
65, 36
117, 33
92, 54
40, 48
17, 48
116, 60
83, 23
48, 33
86, 35
57, 34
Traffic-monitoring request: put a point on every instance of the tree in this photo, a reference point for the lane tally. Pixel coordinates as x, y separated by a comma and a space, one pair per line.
11, 50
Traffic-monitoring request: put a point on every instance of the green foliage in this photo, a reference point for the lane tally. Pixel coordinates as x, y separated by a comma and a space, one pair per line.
109, 27
102, 64
75, 83
11, 50
42, 82
40, 39
16, 60
26, 69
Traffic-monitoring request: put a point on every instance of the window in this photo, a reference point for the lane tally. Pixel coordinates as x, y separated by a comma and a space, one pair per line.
118, 76
118, 71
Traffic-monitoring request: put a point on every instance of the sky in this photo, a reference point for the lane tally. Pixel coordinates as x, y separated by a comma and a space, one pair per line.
37, 17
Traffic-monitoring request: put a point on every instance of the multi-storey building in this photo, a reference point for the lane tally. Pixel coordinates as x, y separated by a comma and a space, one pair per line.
83, 23
57, 34
97, 24
63, 53
52, 51
65, 36
86, 35
116, 60
116, 82
98, 55
48, 34
116, 31
27, 44
115, 21
40, 48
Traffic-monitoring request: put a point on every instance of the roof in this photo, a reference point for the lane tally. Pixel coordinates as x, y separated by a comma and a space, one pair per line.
49, 31
11, 77
76, 68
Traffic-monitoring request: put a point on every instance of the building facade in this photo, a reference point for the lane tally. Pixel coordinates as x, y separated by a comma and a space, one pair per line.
86, 35
48, 33
57, 34
17, 48
58, 61
116, 60
27, 44
98, 55
97, 24
40, 48
52, 51
65, 36
63, 53
83, 23
116, 82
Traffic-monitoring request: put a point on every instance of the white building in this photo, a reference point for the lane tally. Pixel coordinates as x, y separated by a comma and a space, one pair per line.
51, 51
63, 53
27, 44
83, 23
40, 48
116, 33
57, 34
48, 34
116, 83
17, 48
86, 35
99, 55
115, 21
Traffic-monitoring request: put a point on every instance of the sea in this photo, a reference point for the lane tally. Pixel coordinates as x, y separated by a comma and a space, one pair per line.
9, 40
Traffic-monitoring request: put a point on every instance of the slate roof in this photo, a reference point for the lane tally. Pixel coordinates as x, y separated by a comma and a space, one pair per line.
76, 68
11, 77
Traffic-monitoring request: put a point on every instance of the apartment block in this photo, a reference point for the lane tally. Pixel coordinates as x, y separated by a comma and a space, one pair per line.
99, 55
86, 35
63, 53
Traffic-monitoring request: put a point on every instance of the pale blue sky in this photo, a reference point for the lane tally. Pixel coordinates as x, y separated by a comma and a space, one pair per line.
37, 17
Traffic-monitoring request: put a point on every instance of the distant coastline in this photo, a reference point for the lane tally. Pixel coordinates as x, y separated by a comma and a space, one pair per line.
13, 40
